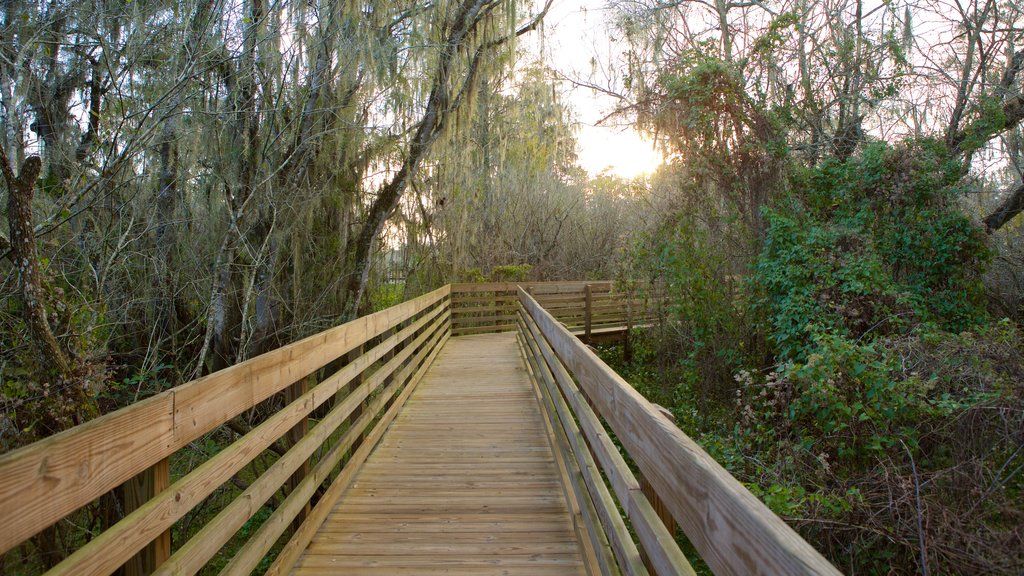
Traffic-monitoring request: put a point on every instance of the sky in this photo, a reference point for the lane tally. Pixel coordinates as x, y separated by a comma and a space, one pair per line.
575, 33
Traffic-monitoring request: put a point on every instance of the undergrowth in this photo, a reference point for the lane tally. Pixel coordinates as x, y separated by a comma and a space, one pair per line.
853, 379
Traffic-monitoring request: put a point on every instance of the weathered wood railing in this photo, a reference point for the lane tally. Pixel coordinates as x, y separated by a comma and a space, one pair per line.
734, 532
594, 311
375, 360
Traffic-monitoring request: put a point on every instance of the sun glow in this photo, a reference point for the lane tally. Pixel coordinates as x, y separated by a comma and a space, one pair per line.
621, 152
576, 43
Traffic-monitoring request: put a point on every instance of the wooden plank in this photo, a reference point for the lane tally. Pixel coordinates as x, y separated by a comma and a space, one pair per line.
464, 299
497, 563
472, 288
204, 404
538, 287
588, 318
481, 569
353, 384
192, 556
422, 496
396, 550
585, 513
734, 532
138, 491
295, 435
467, 303
253, 551
472, 321
483, 536
43, 482
607, 519
297, 544
483, 329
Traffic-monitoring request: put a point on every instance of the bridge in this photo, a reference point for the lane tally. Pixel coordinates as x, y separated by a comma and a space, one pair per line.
470, 430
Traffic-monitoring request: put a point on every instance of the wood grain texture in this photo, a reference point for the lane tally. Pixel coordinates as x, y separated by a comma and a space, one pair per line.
653, 536
491, 307
734, 532
586, 516
108, 550
194, 554
246, 560
294, 548
45, 481
464, 480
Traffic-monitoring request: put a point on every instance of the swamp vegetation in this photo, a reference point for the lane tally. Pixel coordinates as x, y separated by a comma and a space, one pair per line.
836, 224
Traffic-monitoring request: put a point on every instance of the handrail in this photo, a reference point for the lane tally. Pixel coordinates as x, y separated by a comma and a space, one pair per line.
50, 479
733, 531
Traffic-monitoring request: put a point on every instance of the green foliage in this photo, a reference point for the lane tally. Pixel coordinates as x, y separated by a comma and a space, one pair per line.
708, 339
883, 365
471, 275
871, 246
387, 295
869, 287
989, 119
793, 500
510, 273
851, 401
777, 34
136, 386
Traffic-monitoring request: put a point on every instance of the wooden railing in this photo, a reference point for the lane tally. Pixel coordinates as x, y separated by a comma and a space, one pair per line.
594, 311
734, 532
364, 366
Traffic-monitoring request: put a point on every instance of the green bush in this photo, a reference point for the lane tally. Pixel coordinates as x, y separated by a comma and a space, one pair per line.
706, 337
874, 245
510, 273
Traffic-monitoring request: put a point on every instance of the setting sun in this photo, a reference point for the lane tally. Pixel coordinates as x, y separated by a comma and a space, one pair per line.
622, 152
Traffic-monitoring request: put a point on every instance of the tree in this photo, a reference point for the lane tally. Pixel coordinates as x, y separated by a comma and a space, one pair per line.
467, 45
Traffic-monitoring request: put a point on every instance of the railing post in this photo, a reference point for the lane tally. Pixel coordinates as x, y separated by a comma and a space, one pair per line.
659, 507
356, 382
627, 344
137, 492
387, 358
588, 313
295, 435
455, 304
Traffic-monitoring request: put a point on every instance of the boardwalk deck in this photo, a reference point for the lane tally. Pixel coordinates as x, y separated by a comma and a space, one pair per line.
464, 482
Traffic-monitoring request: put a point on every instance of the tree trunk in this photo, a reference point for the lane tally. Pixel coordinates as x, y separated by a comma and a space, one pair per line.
21, 189
166, 202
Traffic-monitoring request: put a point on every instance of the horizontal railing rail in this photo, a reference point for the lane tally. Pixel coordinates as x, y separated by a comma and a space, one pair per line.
733, 531
376, 359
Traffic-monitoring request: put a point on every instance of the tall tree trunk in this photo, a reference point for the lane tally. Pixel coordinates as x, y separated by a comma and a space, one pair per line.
166, 202
21, 189
245, 154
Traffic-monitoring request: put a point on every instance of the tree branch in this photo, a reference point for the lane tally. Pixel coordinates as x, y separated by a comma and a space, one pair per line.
1008, 210
975, 135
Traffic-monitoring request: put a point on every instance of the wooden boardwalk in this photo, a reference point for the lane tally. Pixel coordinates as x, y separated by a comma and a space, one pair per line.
474, 435
464, 482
